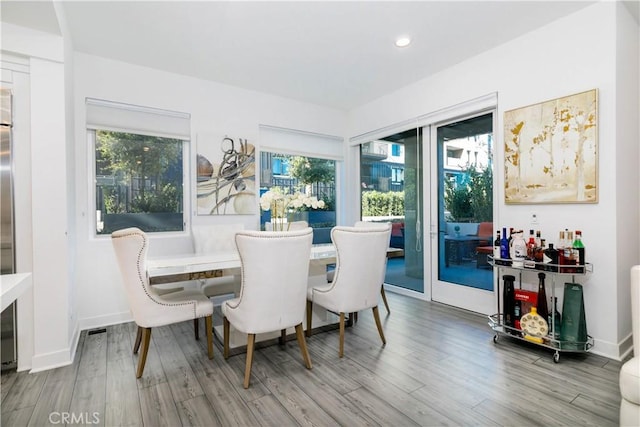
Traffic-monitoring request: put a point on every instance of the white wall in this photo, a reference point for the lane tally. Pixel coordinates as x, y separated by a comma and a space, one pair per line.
571, 55
627, 137
42, 203
214, 108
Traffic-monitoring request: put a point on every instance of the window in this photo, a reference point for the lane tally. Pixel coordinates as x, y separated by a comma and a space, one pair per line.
139, 164
308, 175
397, 175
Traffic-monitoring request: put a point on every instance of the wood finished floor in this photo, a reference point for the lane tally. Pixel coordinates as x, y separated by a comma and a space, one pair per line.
439, 367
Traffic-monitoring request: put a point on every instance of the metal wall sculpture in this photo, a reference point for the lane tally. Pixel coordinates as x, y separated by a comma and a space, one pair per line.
225, 175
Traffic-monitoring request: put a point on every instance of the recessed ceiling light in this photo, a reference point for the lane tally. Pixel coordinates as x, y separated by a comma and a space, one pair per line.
403, 41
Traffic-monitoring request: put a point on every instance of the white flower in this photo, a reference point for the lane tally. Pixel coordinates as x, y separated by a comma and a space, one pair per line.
280, 204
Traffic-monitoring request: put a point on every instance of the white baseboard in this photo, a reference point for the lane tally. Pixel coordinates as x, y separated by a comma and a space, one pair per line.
107, 320
56, 359
625, 347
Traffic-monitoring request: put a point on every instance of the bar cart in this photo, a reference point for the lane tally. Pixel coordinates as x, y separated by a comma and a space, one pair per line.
551, 341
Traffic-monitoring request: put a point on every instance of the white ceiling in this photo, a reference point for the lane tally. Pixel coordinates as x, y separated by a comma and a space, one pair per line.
332, 53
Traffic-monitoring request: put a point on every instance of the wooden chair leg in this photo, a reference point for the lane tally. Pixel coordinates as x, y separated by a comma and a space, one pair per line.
251, 340
376, 315
225, 323
146, 338
341, 348
196, 328
208, 321
303, 346
283, 337
384, 299
136, 345
309, 313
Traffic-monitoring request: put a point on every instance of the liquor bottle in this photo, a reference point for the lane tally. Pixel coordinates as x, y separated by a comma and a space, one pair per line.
531, 251
542, 297
508, 300
511, 231
566, 257
555, 321
504, 248
540, 255
496, 246
578, 246
518, 249
561, 241
517, 314
550, 259
538, 239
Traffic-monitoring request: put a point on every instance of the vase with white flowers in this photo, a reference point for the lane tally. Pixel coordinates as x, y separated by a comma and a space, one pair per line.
284, 205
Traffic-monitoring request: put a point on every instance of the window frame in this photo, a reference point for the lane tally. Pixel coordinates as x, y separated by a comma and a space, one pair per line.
186, 189
337, 174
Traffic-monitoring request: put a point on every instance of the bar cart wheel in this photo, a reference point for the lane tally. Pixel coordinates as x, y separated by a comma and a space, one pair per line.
495, 339
556, 356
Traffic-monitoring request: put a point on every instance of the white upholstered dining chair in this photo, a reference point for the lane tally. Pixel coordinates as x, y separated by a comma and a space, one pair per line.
275, 268
215, 238
361, 259
331, 274
149, 308
382, 293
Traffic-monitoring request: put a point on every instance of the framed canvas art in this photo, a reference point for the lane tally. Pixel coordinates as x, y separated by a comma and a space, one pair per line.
551, 151
225, 175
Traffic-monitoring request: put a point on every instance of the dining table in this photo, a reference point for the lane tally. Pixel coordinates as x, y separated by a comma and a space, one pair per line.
192, 266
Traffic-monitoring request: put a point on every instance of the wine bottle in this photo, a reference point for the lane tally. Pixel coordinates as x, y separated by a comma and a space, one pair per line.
508, 300
555, 320
496, 246
542, 297
578, 246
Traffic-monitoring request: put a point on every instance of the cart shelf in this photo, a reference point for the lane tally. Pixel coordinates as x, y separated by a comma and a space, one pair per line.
495, 320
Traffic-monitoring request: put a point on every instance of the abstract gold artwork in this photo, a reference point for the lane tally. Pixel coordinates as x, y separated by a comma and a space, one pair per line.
551, 151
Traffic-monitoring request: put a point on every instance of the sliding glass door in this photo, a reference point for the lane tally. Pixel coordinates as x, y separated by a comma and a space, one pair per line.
462, 213
391, 191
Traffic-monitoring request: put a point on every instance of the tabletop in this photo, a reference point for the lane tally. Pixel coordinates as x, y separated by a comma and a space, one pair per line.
198, 266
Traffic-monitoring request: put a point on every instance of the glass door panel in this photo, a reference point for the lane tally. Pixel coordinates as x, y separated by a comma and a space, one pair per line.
462, 213
391, 191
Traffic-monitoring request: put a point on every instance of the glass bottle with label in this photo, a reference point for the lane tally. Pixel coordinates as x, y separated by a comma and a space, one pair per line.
504, 248
555, 320
496, 246
508, 300
542, 297
531, 251
550, 259
578, 247
518, 249
566, 257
